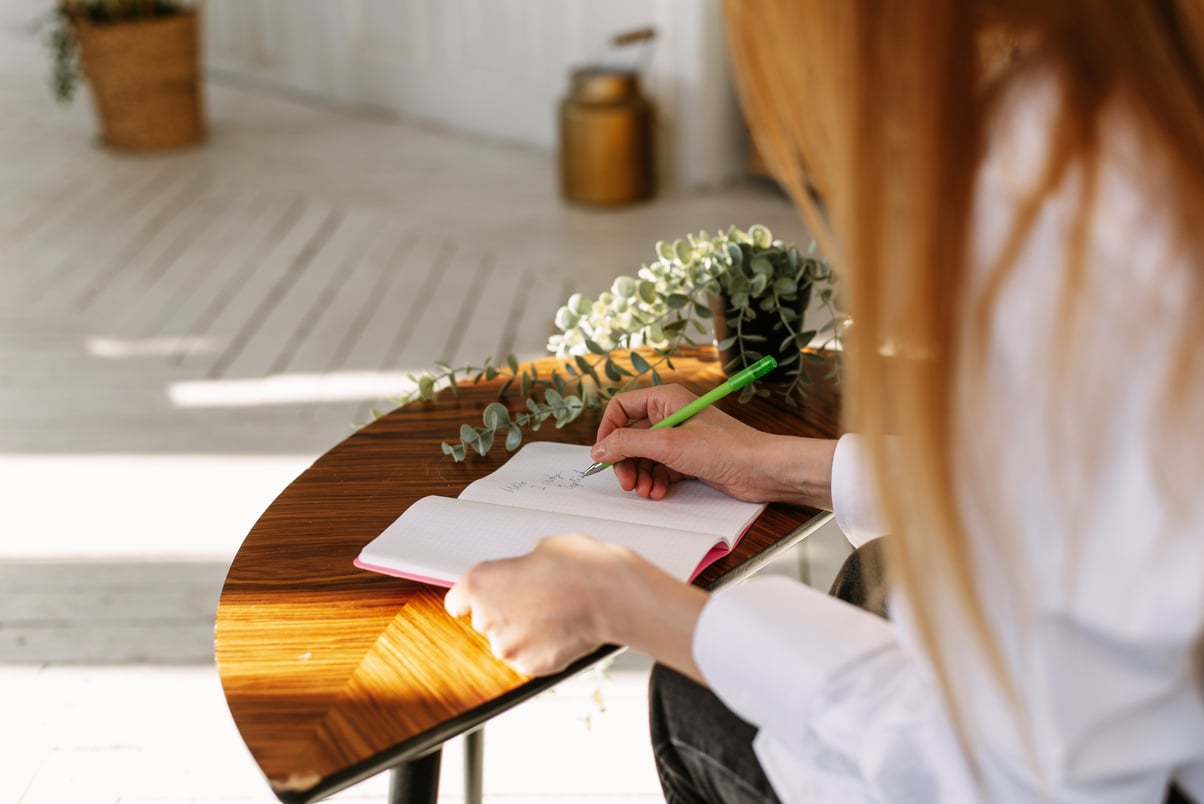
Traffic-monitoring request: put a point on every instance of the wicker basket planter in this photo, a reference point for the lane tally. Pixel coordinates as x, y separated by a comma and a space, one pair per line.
145, 80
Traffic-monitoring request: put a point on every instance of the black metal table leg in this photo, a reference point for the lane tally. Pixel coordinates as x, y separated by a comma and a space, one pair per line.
474, 764
416, 781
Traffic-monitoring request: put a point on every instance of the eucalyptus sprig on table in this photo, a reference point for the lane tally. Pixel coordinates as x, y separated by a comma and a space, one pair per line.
623, 339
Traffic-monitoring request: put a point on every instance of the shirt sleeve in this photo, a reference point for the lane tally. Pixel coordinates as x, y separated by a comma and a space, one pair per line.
853, 500
841, 708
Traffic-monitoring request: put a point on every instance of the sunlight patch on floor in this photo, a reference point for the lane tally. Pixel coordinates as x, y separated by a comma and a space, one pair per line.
182, 507
290, 389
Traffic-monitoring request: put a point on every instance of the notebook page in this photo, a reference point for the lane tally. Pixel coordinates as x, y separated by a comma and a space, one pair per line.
437, 539
548, 477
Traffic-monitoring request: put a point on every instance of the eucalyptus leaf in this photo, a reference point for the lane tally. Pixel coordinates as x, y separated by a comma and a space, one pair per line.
514, 437
468, 434
676, 301
496, 415
484, 442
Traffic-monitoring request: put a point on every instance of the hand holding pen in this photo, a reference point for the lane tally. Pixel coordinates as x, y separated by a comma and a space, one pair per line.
715, 448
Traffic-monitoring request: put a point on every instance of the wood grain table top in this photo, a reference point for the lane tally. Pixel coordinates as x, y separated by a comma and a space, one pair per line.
332, 673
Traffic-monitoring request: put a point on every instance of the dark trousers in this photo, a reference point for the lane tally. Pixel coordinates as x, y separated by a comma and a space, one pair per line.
704, 752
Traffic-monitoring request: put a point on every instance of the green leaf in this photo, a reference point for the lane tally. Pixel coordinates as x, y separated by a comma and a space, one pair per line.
702, 311
587, 368
484, 441
746, 393
447, 448
735, 255
683, 252
785, 286
468, 435
512, 362
665, 251
553, 397
505, 387
514, 437
726, 343
676, 301
490, 372
760, 236
647, 292
496, 415
594, 347
524, 384
656, 377
558, 382
761, 266
638, 362
426, 386
612, 370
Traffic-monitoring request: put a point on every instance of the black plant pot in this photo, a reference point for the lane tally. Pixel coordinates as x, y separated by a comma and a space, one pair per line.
763, 335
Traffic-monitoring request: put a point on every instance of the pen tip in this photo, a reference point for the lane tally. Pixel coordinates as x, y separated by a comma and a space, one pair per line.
593, 469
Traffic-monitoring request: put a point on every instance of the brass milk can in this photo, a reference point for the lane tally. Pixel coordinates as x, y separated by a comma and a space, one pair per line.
606, 154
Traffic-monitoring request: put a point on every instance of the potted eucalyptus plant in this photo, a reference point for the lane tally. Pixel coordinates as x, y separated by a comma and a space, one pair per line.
142, 61
746, 287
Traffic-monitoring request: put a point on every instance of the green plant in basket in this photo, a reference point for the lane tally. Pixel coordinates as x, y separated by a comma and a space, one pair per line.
745, 286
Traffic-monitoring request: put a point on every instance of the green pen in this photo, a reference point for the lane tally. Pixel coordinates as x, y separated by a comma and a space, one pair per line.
753, 372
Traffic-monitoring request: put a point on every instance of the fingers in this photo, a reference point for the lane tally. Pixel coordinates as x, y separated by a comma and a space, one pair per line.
537, 610
644, 406
456, 601
661, 445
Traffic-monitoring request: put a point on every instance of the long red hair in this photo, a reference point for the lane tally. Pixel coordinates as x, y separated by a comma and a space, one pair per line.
883, 109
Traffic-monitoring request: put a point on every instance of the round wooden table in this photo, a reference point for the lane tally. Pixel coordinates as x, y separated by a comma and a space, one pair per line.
333, 674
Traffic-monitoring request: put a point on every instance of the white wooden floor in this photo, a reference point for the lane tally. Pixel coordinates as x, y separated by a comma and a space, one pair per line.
181, 334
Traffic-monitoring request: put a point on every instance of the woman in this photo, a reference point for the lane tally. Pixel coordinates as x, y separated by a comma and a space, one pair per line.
1021, 243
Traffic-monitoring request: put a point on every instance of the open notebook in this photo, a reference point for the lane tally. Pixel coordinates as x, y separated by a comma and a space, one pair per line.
540, 492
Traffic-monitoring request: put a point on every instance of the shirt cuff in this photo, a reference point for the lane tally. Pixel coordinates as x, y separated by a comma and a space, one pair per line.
853, 500
768, 648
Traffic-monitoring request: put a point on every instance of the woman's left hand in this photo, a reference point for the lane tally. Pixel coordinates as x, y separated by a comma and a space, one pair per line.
572, 594
545, 609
